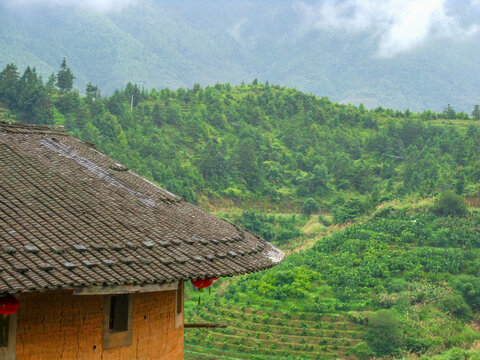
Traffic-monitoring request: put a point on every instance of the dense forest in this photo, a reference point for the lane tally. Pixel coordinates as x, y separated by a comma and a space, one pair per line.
376, 208
259, 141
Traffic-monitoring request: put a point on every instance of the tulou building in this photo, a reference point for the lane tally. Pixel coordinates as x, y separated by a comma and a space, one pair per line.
93, 257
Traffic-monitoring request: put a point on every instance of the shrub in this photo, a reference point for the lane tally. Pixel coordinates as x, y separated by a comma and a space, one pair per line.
383, 333
349, 211
310, 206
455, 305
469, 287
449, 203
356, 317
361, 350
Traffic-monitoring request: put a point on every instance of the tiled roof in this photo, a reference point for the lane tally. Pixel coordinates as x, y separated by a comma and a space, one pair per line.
71, 217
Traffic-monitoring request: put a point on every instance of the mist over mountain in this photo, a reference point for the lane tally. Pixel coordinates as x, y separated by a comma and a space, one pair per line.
417, 54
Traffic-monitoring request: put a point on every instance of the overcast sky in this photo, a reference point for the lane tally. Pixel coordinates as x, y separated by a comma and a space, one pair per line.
401, 25
97, 5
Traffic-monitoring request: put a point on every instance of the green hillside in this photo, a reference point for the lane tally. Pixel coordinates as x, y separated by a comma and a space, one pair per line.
414, 270
262, 143
377, 209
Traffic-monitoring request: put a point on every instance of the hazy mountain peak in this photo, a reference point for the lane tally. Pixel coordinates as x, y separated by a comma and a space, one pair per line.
416, 53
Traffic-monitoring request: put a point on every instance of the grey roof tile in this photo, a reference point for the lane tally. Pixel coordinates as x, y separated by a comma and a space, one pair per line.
71, 217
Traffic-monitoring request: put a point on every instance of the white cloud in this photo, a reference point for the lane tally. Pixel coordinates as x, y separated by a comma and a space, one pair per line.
401, 25
102, 6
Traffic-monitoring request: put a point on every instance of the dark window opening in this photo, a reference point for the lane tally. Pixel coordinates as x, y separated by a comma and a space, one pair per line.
118, 320
4, 320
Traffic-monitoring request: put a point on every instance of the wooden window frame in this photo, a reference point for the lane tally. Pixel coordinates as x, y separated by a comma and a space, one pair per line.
114, 338
179, 303
9, 351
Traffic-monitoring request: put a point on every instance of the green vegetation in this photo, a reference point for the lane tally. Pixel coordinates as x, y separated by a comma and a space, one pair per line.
278, 229
405, 281
310, 206
370, 204
383, 334
260, 144
449, 203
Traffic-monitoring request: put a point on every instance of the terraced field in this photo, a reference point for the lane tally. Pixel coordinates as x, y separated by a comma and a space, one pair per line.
258, 331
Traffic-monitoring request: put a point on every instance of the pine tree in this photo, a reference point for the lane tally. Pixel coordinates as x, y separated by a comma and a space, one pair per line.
65, 77
92, 92
50, 85
449, 112
476, 112
9, 82
33, 103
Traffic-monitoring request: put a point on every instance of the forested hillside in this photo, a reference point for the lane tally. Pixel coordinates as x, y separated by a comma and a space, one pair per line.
371, 206
260, 141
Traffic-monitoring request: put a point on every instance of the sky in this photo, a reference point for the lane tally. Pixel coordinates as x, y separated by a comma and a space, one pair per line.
103, 6
399, 25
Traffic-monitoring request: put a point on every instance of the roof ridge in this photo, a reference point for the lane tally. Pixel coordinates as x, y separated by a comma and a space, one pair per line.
32, 128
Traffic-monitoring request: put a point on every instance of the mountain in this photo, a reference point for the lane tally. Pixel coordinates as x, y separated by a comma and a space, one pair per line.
305, 45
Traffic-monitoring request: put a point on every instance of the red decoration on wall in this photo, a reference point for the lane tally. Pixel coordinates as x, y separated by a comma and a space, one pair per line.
8, 305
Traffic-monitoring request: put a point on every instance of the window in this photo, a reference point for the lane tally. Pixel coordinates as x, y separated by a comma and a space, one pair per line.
8, 336
179, 305
117, 321
118, 313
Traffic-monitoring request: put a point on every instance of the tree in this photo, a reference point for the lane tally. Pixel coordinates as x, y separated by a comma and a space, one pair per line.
116, 103
68, 103
92, 92
9, 82
449, 203
33, 102
50, 85
133, 94
455, 305
476, 112
449, 112
173, 115
310, 206
320, 177
246, 160
65, 77
460, 184
383, 334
